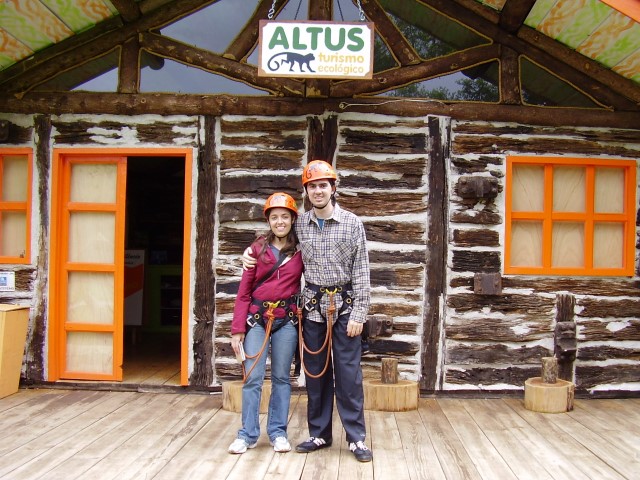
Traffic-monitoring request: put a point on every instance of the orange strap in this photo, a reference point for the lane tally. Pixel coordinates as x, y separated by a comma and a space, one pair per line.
269, 316
328, 339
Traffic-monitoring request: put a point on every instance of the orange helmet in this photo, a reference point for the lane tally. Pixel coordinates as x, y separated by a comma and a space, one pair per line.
318, 170
283, 200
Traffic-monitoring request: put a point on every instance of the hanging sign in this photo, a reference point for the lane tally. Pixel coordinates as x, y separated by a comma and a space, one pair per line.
315, 49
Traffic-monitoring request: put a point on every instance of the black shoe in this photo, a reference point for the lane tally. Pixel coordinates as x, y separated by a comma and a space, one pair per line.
312, 444
360, 451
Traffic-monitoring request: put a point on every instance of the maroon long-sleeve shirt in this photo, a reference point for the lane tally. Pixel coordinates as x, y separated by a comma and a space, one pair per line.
283, 283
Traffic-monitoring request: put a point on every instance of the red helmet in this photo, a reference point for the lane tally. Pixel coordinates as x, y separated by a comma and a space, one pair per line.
280, 199
318, 170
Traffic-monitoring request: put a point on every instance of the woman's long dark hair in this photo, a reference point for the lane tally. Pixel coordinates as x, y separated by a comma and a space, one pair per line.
291, 242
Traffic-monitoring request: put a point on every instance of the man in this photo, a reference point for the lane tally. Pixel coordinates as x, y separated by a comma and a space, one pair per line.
337, 290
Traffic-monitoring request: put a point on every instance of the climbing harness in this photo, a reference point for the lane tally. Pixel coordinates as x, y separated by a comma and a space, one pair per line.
265, 318
314, 304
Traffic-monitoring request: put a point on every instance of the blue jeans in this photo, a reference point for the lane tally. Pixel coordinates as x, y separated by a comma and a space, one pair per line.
283, 345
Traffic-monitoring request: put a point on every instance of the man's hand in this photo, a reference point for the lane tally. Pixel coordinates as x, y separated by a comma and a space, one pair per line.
354, 328
248, 262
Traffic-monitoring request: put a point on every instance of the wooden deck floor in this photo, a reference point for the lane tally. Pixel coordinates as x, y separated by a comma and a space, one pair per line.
82, 434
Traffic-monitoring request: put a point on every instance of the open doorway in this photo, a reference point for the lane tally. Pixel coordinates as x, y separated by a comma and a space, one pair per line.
154, 246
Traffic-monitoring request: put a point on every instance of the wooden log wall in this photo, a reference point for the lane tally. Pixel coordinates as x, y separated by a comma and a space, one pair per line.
488, 342
495, 342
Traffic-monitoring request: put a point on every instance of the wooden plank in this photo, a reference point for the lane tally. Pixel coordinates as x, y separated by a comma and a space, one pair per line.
388, 452
486, 458
598, 443
138, 445
213, 438
28, 403
611, 427
29, 394
95, 458
324, 464
454, 459
349, 466
62, 409
583, 459
171, 438
126, 436
420, 454
291, 465
56, 445
556, 461
507, 441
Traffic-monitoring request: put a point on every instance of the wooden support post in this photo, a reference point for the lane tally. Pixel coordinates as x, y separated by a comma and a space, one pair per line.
389, 370
549, 370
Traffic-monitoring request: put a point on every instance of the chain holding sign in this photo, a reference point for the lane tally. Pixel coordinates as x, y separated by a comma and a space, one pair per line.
316, 49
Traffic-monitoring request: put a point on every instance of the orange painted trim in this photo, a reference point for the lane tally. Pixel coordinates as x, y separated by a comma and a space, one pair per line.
588, 218
631, 8
24, 206
186, 270
59, 225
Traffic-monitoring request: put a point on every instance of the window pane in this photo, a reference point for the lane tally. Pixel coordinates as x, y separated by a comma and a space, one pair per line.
608, 245
568, 189
15, 175
13, 231
90, 352
90, 298
609, 190
93, 183
567, 248
528, 188
92, 237
526, 244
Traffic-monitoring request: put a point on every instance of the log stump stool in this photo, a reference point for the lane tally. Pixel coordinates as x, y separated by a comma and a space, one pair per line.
390, 394
547, 393
232, 396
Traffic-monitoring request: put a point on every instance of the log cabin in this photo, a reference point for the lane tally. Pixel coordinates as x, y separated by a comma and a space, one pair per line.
138, 142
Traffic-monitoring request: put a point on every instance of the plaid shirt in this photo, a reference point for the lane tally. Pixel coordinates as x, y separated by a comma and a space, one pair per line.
335, 255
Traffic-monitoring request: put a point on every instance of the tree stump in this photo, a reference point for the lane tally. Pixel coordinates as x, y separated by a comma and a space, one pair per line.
232, 396
390, 394
548, 397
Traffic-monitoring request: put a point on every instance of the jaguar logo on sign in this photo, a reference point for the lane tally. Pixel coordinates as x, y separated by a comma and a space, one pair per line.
316, 49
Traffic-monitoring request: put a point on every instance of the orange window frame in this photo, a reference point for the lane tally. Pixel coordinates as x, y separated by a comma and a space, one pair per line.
589, 217
18, 206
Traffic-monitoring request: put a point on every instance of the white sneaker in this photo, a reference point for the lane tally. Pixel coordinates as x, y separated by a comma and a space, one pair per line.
281, 444
240, 445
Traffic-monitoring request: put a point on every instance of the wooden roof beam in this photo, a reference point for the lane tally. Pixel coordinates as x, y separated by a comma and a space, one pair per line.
189, 104
401, 50
214, 63
244, 43
128, 10
399, 77
514, 13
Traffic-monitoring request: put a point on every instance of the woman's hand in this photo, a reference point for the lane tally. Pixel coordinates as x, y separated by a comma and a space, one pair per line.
248, 262
236, 340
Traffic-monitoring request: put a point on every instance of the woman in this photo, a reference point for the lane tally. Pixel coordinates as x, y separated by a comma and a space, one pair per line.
265, 312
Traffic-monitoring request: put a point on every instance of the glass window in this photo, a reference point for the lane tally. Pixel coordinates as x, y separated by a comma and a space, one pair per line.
15, 205
570, 216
